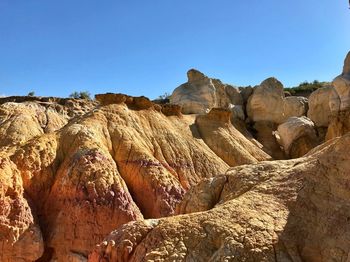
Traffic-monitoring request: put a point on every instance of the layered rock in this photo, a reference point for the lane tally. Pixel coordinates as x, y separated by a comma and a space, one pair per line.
297, 136
294, 210
124, 161
201, 93
226, 141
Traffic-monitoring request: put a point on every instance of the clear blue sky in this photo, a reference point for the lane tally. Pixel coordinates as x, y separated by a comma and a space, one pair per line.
138, 47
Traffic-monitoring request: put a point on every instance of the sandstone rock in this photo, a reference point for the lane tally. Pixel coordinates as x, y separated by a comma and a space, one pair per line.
339, 124
264, 133
319, 109
267, 102
226, 141
237, 112
292, 130
20, 235
294, 210
341, 85
295, 106
171, 110
118, 163
111, 98
202, 93
22, 121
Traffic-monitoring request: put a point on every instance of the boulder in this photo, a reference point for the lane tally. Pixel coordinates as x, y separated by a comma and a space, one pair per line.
267, 102
319, 109
297, 136
295, 106
201, 93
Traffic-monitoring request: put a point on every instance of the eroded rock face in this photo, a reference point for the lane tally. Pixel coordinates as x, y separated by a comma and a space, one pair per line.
21, 120
339, 124
20, 234
294, 210
319, 109
226, 141
201, 93
297, 136
267, 102
118, 163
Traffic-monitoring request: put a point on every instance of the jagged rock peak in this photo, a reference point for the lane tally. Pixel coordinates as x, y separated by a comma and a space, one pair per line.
195, 75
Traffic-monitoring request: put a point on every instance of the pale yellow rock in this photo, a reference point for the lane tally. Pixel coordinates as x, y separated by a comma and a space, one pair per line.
201, 93
341, 85
319, 109
267, 102
226, 141
295, 106
293, 129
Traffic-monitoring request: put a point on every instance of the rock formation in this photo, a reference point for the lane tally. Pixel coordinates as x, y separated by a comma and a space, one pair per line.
319, 109
201, 93
268, 103
297, 136
190, 180
125, 160
227, 142
294, 210
22, 118
340, 103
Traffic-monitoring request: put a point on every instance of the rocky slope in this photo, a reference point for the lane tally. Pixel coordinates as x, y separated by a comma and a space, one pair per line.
125, 160
292, 210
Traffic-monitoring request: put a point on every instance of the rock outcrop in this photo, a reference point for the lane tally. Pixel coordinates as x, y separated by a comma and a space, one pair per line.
226, 141
294, 210
201, 93
23, 120
340, 103
341, 96
297, 136
268, 103
126, 160
319, 109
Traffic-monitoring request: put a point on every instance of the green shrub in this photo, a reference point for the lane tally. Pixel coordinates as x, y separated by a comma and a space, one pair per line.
80, 95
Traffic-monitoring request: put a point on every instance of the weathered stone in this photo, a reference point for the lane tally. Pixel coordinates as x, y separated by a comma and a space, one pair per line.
319, 109
294, 210
292, 130
201, 93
